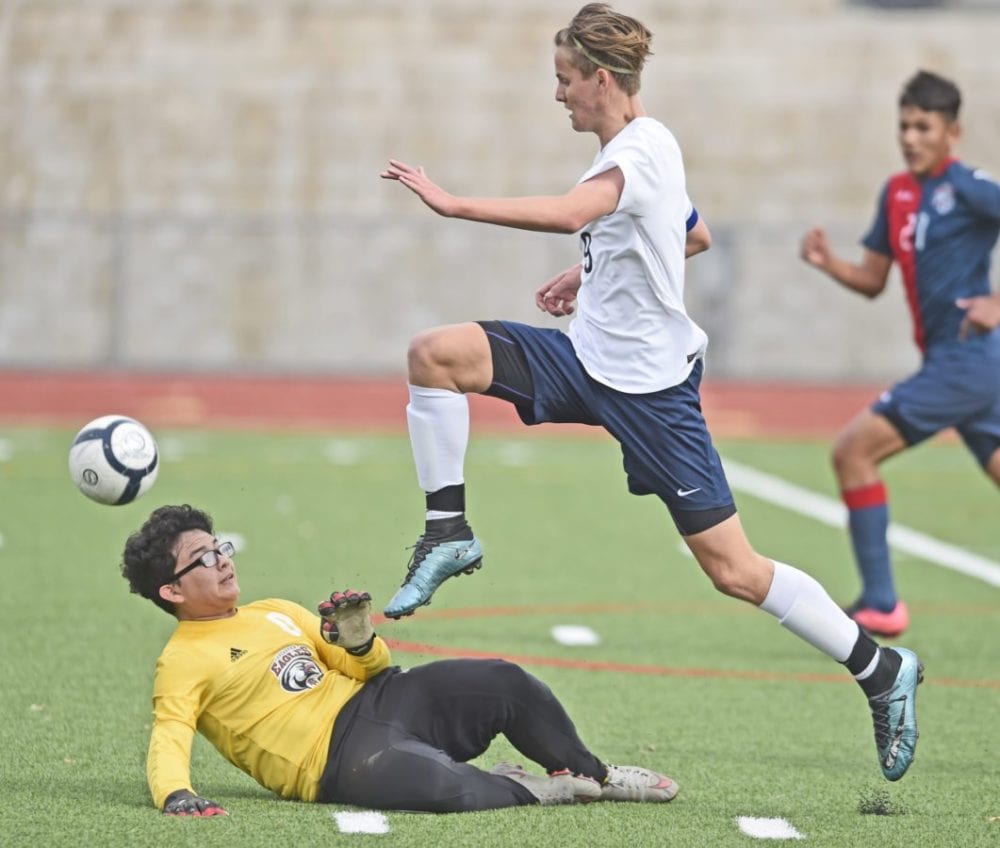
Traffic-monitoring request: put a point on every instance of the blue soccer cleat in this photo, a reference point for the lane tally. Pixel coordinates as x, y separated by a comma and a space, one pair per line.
431, 564
895, 716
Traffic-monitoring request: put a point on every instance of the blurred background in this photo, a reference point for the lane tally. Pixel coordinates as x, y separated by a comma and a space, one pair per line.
193, 184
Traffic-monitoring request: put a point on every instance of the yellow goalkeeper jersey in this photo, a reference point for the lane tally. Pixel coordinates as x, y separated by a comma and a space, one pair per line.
264, 689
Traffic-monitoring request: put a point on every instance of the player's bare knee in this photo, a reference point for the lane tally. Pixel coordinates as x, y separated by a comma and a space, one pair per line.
729, 584
424, 357
848, 460
724, 576
840, 455
744, 580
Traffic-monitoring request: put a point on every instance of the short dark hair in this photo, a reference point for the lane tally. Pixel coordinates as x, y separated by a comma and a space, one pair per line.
932, 93
148, 561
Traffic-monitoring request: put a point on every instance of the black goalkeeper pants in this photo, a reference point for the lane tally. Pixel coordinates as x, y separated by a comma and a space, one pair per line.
403, 742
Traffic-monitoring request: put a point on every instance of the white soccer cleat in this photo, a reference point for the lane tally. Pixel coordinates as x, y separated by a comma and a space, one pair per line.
635, 783
561, 787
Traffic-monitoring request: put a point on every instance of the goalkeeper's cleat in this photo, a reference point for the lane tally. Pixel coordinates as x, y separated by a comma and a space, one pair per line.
894, 714
560, 787
635, 783
433, 562
879, 623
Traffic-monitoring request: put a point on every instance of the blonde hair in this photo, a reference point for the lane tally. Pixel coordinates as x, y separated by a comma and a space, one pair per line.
599, 37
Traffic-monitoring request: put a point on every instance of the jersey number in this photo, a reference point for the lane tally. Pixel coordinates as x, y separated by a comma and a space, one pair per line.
588, 259
914, 234
284, 622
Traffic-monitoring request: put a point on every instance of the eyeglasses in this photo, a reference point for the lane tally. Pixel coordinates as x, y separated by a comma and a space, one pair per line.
209, 559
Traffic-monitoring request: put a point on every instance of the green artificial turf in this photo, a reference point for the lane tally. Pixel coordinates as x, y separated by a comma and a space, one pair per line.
750, 721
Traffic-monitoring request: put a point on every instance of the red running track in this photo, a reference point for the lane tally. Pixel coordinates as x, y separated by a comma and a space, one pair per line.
331, 402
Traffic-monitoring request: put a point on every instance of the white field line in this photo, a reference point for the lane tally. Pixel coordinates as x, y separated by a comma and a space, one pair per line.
368, 821
767, 828
781, 493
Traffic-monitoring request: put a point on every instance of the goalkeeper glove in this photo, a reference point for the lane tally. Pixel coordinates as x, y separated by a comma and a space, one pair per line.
183, 802
347, 621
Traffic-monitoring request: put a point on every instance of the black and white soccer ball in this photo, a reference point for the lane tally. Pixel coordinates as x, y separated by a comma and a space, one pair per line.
114, 460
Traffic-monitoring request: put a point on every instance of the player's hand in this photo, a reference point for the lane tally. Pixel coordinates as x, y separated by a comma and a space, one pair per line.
421, 185
347, 621
815, 248
183, 802
982, 314
558, 295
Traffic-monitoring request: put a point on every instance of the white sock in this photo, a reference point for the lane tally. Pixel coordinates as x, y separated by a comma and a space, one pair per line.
803, 606
439, 434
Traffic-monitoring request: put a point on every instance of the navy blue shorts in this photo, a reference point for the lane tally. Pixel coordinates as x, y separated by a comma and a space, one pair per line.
665, 443
957, 386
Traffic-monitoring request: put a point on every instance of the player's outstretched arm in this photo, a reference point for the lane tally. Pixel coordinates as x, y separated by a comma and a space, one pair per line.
867, 278
417, 181
565, 213
184, 802
347, 621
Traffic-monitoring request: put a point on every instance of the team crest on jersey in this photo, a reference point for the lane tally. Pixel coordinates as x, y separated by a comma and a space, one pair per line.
943, 199
296, 669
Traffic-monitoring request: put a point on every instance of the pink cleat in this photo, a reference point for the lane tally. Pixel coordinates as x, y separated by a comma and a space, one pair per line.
880, 623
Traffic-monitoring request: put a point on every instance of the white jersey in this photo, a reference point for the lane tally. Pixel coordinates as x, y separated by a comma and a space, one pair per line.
631, 331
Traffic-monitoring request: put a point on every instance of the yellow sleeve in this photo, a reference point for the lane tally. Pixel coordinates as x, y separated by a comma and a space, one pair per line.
168, 762
364, 667
176, 697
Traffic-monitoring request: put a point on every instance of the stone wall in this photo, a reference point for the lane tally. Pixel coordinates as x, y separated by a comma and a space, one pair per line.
194, 183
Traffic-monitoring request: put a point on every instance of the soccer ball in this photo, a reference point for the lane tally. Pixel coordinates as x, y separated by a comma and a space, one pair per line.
114, 460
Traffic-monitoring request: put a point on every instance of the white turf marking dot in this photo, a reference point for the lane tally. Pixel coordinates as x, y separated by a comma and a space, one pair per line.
575, 634
768, 828
516, 454
344, 452
366, 822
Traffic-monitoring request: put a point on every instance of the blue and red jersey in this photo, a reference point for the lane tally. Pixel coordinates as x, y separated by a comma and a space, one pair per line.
941, 231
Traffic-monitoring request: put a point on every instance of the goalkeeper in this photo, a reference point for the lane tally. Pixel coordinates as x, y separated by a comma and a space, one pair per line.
312, 708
